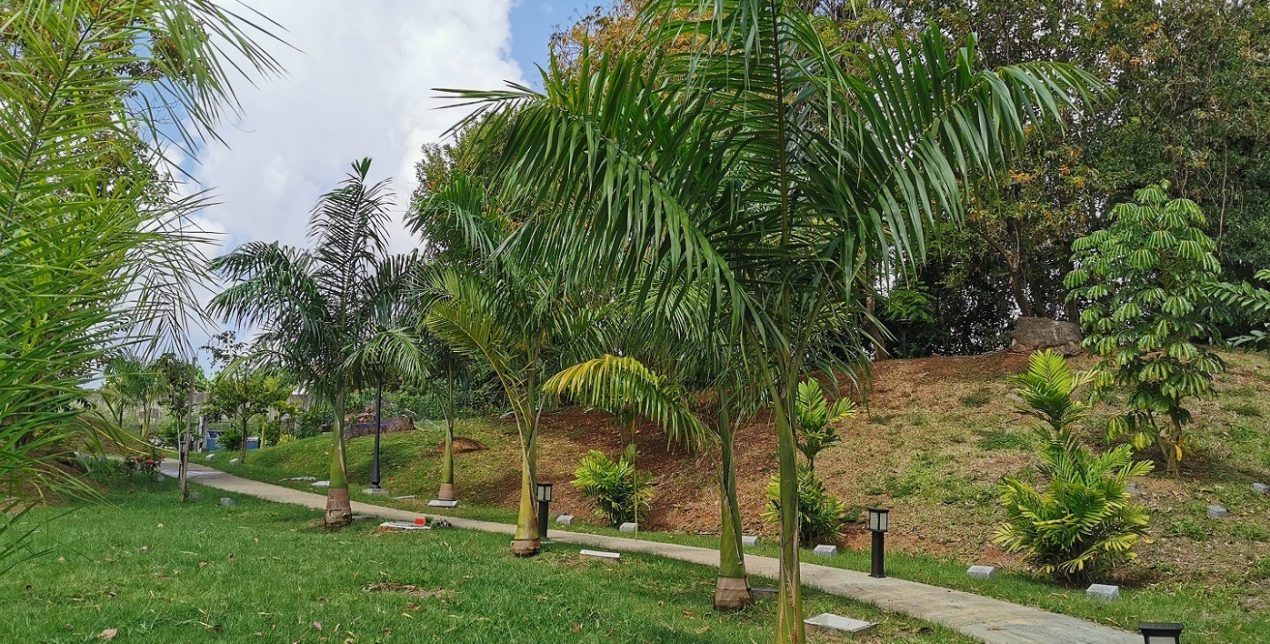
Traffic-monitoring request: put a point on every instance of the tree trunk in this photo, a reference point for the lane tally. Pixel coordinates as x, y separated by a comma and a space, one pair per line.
447, 451
732, 589
789, 615
242, 448
339, 510
526, 541
183, 460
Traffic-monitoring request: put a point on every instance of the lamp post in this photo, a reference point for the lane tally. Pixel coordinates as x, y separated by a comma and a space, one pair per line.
1161, 633
878, 524
379, 405
544, 503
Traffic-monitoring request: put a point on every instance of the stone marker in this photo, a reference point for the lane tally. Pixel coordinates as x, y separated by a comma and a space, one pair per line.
764, 592
1261, 488
211, 456
321, 484
825, 550
629, 527
404, 525
831, 623
1104, 592
233, 461
194, 496
301, 478
600, 554
441, 503
227, 502
565, 519
376, 491
1217, 512
361, 517
982, 572
407, 497
749, 540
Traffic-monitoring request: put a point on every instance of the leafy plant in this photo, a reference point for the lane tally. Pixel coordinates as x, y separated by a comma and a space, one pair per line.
1084, 520
816, 419
1250, 303
619, 491
820, 515
1146, 281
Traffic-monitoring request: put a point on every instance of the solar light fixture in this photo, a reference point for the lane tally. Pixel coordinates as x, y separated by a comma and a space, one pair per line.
544, 502
879, 522
1161, 633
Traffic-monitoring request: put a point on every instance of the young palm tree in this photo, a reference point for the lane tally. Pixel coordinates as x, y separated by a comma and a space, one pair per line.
314, 307
748, 152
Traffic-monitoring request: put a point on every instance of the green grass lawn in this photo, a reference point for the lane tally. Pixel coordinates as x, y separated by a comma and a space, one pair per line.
154, 570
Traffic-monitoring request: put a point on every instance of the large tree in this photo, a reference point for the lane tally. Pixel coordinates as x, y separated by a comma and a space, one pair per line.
314, 307
755, 160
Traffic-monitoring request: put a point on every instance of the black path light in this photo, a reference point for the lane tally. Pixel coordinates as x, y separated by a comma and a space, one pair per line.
544, 502
878, 524
379, 405
1161, 633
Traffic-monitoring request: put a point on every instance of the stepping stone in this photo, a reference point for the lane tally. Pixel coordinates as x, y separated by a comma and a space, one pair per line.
1217, 512
1261, 488
438, 503
376, 491
749, 540
831, 623
301, 478
1105, 592
321, 484
629, 527
982, 572
404, 525
407, 497
227, 502
600, 554
565, 519
825, 550
233, 461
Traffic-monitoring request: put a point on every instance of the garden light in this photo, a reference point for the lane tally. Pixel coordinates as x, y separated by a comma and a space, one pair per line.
544, 502
1161, 633
879, 522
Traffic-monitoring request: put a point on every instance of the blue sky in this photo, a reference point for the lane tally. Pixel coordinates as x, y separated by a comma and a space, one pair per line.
533, 22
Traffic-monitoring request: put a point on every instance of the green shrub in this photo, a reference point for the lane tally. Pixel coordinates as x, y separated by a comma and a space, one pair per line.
619, 491
231, 439
283, 439
821, 516
312, 421
1083, 521
270, 431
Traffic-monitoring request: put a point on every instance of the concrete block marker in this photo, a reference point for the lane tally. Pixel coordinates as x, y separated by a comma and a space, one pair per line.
1217, 512
830, 623
565, 519
210, 457
439, 503
982, 572
749, 540
1105, 592
600, 554
376, 491
233, 461
1261, 488
301, 478
227, 502
629, 527
361, 517
321, 484
825, 550
404, 525
404, 497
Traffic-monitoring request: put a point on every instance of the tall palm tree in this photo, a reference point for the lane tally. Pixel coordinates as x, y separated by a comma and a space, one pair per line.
314, 307
748, 152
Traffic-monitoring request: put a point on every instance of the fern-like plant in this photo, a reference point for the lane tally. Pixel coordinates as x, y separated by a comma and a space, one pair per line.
816, 419
619, 491
820, 514
1083, 521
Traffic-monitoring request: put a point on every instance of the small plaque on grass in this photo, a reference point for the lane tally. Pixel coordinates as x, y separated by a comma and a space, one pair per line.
439, 503
825, 550
982, 572
404, 525
838, 624
629, 527
749, 540
1105, 592
321, 484
600, 554
565, 519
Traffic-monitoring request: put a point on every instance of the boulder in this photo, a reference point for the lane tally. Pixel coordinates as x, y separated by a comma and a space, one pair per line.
1036, 334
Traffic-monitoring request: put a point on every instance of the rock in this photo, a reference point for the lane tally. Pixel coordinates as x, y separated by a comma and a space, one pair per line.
749, 540
982, 572
600, 554
440, 503
1261, 488
1105, 592
629, 527
233, 461
1217, 512
825, 550
565, 519
838, 624
227, 502
1035, 334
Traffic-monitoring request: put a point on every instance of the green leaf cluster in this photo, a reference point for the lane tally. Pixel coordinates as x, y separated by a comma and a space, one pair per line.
619, 491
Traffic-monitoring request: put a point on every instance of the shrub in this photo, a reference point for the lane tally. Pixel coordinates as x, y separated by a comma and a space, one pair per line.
313, 421
816, 419
619, 491
270, 431
232, 438
1084, 520
821, 516
283, 439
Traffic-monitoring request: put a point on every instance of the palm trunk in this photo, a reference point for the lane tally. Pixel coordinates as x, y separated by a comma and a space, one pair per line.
339, 510
447, 454
526, 541
789, 615
242, 447
183, 460
732, 589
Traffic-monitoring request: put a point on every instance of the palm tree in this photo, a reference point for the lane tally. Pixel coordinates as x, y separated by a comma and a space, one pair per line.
314, 307
746, 151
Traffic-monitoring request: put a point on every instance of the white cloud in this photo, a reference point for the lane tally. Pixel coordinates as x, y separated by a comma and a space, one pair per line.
361, 85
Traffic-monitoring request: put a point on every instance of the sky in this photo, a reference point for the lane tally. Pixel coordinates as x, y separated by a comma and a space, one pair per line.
359, 83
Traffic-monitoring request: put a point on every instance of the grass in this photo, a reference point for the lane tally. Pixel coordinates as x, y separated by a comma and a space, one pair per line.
151, 569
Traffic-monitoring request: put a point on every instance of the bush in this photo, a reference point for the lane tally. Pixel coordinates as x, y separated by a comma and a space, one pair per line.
311, 422
619, 491
283, 439
232, 438
821, 516
270, 431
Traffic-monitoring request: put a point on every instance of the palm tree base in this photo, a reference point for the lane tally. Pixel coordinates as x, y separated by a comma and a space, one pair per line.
446, 493
732, 593
339, 512
526, 547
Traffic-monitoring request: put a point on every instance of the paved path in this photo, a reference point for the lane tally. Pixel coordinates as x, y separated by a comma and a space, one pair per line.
990, 620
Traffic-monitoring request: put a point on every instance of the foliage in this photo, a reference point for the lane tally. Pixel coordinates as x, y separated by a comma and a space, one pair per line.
314, 420
1252, 304
619, 491
1084, 521
816, 419
239, 393
1146, 281
820, 515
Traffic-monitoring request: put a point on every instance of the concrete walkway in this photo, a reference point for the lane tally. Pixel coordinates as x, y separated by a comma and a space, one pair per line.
984, 618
